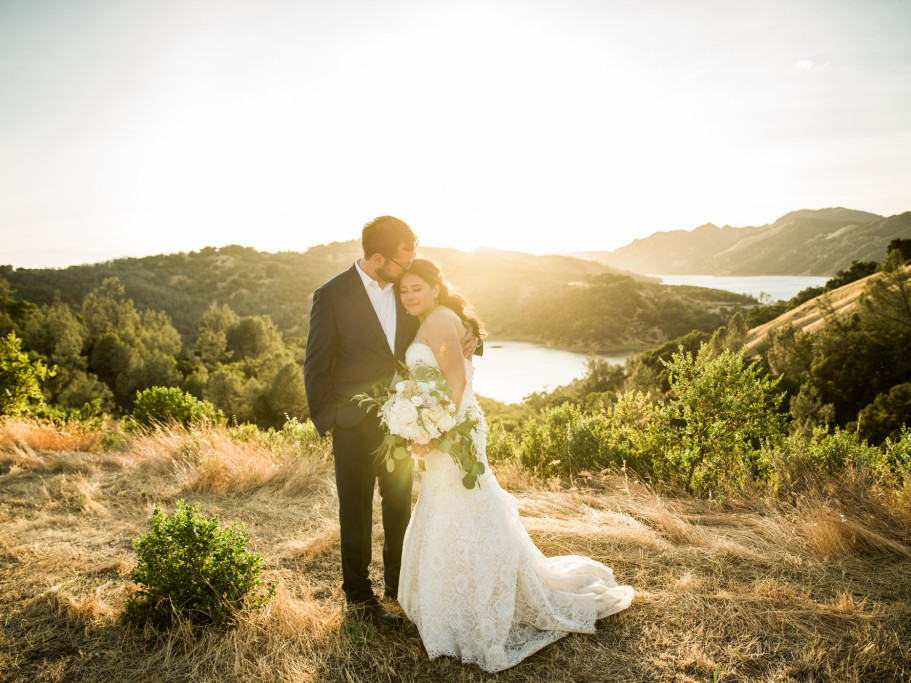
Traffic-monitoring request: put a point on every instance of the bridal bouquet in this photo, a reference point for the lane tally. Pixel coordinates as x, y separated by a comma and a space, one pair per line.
418, 409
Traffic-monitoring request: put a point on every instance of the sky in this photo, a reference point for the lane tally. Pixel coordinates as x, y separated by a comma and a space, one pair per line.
130, 128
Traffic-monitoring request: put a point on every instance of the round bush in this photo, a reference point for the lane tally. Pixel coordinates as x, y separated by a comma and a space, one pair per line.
160, 405
190, 568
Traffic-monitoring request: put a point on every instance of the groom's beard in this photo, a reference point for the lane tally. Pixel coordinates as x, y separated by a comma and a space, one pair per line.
390, 274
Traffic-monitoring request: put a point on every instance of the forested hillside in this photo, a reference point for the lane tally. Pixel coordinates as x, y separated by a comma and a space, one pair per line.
279, 285
554, 299
799, 243
229, 325
838, 353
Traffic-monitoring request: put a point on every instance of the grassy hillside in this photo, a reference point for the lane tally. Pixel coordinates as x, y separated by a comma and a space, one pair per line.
808, 317
799, 243
818, 589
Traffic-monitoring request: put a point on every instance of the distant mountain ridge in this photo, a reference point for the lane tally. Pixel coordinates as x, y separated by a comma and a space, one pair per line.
806, 242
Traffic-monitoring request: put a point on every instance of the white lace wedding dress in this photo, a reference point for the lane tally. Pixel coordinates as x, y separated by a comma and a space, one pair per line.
473, 581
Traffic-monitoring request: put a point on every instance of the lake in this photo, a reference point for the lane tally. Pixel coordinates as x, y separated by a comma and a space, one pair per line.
775, 286
510, 370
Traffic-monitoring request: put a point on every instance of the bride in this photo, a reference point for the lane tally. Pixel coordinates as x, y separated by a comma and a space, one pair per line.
472, 580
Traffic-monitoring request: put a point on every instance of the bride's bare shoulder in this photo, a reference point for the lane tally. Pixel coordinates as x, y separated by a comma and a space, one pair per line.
441, 320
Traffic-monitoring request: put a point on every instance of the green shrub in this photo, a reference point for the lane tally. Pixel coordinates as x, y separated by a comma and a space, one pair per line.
709, 435
831, 453
891, 462
190, 568
565, 440
160, 405
90, 417
501, 444
304, 433
20, 378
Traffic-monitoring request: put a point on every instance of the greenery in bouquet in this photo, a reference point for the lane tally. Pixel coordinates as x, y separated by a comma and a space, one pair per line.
418, 409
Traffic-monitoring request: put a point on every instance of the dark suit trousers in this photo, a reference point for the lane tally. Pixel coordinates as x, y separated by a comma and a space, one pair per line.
357, 470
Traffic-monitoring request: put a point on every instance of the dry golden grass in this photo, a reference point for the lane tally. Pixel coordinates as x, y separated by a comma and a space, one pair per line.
754, 591
19, 434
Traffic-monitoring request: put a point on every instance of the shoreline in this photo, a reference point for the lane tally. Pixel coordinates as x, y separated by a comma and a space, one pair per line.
584, 350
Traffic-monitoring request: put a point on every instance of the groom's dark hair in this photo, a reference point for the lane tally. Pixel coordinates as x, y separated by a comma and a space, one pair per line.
384, 234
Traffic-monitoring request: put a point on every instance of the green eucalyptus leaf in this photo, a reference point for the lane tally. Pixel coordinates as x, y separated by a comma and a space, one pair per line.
390, 465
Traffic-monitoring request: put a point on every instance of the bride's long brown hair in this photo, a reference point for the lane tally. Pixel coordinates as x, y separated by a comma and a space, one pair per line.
449, 296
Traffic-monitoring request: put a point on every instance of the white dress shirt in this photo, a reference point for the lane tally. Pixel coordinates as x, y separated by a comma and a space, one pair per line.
383, 301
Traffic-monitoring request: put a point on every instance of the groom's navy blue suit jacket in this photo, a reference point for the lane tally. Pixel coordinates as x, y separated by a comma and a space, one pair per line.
347, 351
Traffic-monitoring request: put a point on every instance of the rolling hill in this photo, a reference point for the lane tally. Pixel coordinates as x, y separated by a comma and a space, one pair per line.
808, 317
556, 300
803, 242
279, 284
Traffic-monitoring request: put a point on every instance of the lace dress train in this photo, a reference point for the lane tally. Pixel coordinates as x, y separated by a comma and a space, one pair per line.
473, 581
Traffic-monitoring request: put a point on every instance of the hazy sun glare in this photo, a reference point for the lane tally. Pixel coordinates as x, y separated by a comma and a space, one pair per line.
531, 126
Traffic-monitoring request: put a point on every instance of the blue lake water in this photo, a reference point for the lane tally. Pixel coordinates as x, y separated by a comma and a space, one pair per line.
774, 287
510, 370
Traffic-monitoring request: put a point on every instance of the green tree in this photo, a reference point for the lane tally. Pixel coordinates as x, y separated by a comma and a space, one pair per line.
57, 334
81, 388
227, 389
730, 337
600, 376
285, 395
886, 415
789, 352
902, 246
129, 351
808, 411
252, 337
856, 271
156, 334
106, 309
14, 315
886, 299
212, 338
20, 378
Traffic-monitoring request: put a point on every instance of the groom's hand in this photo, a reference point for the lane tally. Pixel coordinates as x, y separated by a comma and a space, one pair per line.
469, 341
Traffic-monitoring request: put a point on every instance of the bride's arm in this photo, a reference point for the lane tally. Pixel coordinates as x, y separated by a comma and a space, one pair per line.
443, 329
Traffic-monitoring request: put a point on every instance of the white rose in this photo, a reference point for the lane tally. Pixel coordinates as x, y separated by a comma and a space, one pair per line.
399, 415
440, 418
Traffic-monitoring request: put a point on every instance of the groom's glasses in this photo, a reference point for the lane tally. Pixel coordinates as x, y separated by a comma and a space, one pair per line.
403, 266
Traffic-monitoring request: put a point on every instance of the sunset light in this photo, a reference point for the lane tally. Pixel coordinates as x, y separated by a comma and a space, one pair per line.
132, 129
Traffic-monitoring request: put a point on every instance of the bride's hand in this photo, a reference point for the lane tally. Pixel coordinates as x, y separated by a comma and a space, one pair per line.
419, 450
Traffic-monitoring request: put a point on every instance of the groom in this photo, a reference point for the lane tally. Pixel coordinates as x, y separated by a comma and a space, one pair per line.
359, 331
